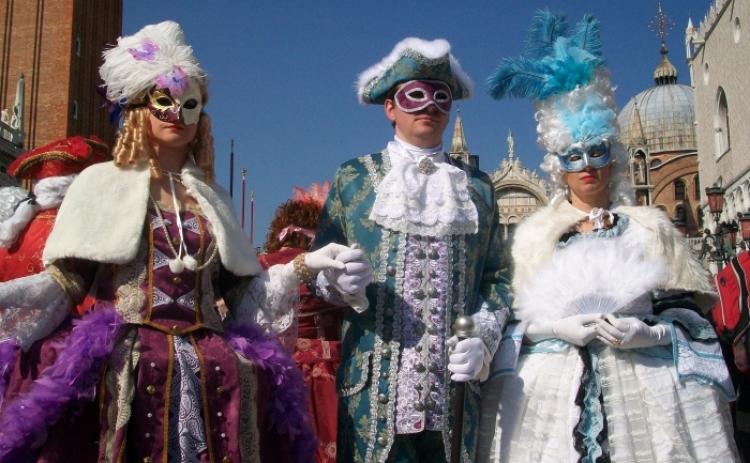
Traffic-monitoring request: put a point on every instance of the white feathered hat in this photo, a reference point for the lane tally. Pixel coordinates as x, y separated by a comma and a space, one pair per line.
157, 55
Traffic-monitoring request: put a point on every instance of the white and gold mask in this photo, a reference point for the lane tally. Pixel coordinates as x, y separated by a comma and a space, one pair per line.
185, 106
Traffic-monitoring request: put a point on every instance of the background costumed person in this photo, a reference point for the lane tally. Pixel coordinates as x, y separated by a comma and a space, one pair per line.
26, 218
611, 358
155, 240
429, 226
317, 323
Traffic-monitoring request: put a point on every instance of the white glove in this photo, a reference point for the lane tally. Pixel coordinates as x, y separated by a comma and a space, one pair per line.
31, 308
466, 359
631, 333
356, 274
576, 329
325, 258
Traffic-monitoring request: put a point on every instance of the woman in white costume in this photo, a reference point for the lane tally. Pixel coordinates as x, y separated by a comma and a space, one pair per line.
610, 358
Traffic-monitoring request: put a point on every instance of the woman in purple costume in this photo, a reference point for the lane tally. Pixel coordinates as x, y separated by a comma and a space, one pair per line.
153, 240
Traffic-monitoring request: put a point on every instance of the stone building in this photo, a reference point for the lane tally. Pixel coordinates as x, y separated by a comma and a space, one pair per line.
519, 191
718, 54
657, 128
56, 46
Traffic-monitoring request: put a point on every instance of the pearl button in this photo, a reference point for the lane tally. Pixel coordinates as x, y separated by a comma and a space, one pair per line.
382, 441
219, 414
149, 415
176, 280
223, 435
147, 435
151, 389
153, 365
218, 368
382, 398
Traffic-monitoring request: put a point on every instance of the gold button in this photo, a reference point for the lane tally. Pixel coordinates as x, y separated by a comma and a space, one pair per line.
226, 460
176, 280
220, 389
151, 389
174, 327
147, 460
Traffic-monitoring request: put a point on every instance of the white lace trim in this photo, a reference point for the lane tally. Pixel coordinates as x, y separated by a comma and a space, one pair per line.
270, 300
429, 204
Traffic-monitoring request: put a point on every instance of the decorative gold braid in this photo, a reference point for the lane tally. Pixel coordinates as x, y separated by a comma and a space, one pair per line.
301, 269
71, 282
48, 156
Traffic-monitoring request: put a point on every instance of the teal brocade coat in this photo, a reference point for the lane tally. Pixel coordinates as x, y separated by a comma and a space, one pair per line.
367, 377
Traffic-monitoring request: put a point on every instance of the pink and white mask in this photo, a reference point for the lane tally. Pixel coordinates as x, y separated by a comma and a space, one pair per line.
186, 106
416, 95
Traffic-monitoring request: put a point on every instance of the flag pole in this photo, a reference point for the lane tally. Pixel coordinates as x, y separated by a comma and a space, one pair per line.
244, 181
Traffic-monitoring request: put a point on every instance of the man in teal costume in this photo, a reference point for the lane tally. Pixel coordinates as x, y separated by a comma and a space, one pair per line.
429, 226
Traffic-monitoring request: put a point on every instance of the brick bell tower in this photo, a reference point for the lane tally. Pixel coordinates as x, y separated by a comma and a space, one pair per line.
56, 46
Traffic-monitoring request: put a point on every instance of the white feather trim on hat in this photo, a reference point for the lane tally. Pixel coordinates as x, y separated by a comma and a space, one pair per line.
48, 193
155, 54
427, 50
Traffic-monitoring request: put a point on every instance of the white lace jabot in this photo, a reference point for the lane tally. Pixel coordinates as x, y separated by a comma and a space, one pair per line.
422, 197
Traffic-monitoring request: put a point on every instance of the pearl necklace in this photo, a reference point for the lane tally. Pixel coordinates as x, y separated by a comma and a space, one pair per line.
180, 262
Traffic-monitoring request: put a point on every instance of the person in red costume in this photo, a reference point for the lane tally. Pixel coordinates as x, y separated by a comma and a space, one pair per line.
318, 323
26, 220
30, 217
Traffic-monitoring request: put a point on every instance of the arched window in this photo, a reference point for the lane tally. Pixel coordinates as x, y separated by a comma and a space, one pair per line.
680, 214
721, 124
679, 190
696, 187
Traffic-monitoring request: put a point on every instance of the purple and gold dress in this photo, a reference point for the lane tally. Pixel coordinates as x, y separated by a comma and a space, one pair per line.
178, 385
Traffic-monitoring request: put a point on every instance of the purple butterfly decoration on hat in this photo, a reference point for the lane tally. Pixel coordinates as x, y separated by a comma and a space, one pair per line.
175, 80
146, 52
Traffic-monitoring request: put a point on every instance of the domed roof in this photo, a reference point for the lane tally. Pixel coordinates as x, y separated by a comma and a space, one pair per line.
661, 117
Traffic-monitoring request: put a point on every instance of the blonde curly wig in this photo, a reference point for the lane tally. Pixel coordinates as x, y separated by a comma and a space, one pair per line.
134, 145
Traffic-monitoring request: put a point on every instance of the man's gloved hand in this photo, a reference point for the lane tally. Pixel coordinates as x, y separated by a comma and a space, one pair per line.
466, 359
576, 329
356, 274
631, 333
325, 258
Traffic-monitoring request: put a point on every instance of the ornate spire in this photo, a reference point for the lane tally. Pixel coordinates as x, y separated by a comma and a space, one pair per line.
665, 73
458, 144
511, 146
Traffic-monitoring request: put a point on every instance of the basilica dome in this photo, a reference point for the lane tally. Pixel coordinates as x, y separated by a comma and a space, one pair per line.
661, 117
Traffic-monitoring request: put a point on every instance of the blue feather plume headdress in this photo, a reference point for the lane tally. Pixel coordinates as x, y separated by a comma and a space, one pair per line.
562, 69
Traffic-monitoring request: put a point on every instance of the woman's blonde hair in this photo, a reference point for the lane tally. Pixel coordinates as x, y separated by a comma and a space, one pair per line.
134, 146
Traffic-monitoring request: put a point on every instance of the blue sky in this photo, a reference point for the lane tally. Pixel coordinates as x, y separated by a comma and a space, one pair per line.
282, 74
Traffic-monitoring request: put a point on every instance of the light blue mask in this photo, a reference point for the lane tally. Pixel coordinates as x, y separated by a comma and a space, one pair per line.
576, 159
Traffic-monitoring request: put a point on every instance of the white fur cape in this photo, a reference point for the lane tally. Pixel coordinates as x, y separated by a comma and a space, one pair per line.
102, 217
536, 239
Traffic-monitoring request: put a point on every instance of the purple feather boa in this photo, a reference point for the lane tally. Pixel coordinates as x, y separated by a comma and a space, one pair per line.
8, 351
72, 377
288, 411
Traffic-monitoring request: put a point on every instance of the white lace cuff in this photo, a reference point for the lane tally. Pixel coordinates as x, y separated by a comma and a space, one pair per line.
270, 301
